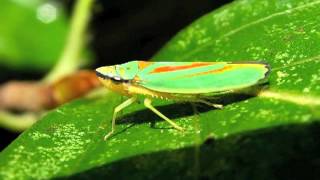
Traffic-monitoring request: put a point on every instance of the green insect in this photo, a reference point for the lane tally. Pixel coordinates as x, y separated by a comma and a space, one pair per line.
180, 81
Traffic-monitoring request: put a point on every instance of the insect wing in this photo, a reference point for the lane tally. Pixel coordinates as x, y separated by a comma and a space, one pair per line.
200, 77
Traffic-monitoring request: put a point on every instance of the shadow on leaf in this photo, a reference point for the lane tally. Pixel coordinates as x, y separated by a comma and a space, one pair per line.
178, 110
283, 152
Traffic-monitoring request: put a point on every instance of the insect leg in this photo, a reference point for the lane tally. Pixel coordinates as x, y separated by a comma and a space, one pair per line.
116, 110
218, 106
147, 103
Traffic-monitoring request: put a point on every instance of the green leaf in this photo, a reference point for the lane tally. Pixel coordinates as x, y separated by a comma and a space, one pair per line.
32, 34
271, 136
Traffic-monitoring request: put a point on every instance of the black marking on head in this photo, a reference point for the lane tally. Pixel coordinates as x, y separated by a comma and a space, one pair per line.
99, 74
115, 79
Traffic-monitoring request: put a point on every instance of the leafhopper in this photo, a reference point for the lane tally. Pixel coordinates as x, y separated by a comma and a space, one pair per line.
180, 81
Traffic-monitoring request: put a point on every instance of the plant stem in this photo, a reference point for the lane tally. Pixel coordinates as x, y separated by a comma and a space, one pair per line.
69, 60
17, 123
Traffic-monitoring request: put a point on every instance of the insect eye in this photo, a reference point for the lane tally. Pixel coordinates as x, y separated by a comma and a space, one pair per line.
117, 78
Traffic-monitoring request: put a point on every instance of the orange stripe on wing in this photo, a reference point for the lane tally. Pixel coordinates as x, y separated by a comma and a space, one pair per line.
226, 68
175, 68
143, 64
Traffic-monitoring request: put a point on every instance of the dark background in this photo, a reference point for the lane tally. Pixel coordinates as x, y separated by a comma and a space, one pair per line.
123, 30
127, 30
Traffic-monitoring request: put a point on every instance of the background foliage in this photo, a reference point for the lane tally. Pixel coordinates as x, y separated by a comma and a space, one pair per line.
20, 21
